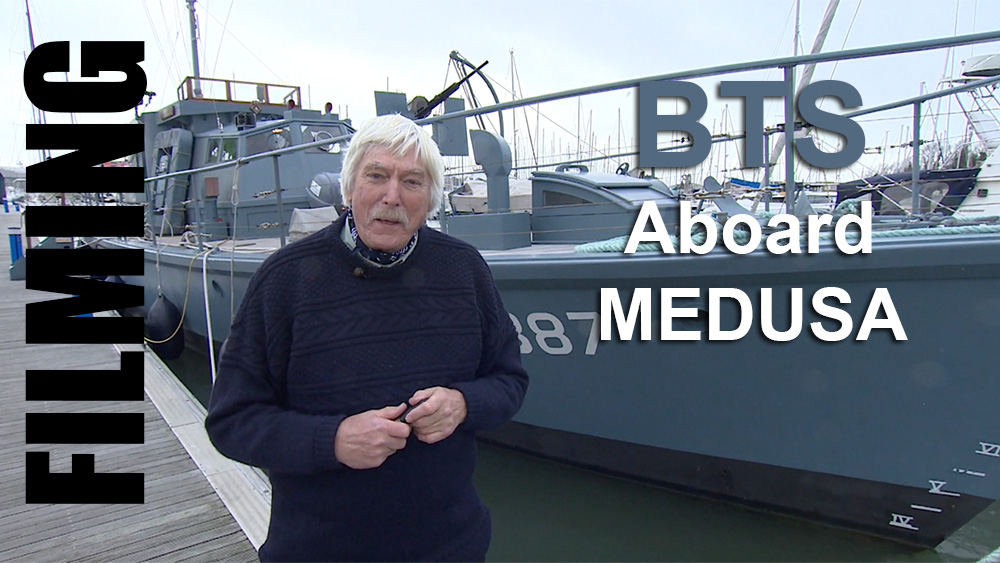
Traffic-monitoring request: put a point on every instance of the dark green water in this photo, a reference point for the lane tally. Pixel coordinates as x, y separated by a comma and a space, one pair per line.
545, 511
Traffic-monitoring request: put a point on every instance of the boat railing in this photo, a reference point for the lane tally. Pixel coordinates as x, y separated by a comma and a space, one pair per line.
783, 62
237, 91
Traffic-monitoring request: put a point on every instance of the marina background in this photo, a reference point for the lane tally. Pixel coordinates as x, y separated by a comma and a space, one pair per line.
343, 51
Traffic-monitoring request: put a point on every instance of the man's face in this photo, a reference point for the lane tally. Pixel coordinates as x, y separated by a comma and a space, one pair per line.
390, 198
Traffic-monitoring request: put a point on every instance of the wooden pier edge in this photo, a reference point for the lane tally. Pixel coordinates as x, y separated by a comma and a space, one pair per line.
244, 490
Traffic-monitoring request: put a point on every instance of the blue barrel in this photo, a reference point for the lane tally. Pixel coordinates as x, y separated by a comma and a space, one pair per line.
16, 251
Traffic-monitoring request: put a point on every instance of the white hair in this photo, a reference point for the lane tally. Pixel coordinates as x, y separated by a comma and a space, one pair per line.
399, 135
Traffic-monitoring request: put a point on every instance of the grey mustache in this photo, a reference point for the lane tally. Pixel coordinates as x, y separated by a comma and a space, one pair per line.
394, 214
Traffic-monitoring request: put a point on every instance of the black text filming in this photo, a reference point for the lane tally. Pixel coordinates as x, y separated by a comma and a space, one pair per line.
785, 241
77, 273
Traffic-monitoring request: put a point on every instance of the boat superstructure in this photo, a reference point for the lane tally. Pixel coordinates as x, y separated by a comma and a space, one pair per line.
217, 121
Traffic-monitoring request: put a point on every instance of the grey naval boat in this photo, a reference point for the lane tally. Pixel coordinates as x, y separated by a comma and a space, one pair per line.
898, 438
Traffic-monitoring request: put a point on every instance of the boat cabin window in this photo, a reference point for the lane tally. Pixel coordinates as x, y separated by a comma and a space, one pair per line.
553, 199
221, 150
269, 140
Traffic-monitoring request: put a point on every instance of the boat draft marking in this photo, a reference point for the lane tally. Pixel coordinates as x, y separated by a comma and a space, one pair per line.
925, 508
969, 472
986, 448
937, 488
902, 521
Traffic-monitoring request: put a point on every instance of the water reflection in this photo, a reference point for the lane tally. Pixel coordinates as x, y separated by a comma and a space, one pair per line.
546, 511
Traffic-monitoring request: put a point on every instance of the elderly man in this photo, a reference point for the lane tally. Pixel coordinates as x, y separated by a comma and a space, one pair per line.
361, 363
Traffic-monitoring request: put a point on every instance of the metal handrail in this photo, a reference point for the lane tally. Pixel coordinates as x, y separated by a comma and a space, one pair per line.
781, 62
187, 87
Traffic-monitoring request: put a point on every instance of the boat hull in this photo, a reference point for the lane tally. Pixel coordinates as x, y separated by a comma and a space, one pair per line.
856, 433
853, 504
895, 438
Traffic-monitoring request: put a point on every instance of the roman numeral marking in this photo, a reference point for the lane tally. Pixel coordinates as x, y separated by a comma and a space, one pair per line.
937, 488
992, 450
902, 521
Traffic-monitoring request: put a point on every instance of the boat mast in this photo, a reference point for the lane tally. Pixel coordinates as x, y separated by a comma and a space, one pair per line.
791, 190
46, 153
795, 39
194, 47
807, 73
31, 34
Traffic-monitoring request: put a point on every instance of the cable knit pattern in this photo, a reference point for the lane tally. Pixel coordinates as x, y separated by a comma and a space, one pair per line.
323, 334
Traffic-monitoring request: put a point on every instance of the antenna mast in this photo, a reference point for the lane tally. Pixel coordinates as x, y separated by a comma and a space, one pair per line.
194, 47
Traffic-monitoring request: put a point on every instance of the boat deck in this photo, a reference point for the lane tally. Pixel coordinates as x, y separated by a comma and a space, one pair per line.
267, 245
182, 518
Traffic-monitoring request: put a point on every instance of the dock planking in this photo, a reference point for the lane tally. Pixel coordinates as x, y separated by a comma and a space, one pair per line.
182, 518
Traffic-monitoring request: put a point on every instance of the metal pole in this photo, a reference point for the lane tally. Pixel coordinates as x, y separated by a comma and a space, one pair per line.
31, 33
194, 47
281, 211
767, 172
790, 188
914, 185
46, 153
199, 214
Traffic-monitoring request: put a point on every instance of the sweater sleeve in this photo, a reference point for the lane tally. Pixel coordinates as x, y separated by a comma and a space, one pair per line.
501, 381
247, 417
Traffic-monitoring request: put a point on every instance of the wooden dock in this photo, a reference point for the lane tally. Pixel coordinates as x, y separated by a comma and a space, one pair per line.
183, 517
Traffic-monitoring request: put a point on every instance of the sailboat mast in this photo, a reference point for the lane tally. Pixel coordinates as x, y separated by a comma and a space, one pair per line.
809, 69
46, 153
31, 34
795, 39
194, 46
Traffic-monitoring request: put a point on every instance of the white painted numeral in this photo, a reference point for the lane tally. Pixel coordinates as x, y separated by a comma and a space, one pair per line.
595, 328
543, 335
525, 343
550, 332
902, 521
937, 488
992, 450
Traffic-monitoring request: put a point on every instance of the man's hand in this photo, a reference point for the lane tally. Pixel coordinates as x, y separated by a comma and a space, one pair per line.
439, 416
367, 439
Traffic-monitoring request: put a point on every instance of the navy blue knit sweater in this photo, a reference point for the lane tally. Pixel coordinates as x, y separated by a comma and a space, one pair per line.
322, 335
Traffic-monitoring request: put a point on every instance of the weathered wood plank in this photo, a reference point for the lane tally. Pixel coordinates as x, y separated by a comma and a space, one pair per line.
171, 539
106, 527
182, 517
224, 548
